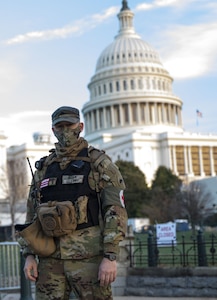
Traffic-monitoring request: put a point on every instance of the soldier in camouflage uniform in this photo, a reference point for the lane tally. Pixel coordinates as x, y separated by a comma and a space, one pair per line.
84, 261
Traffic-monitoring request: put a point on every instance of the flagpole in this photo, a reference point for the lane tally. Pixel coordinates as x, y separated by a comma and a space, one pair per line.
198, 115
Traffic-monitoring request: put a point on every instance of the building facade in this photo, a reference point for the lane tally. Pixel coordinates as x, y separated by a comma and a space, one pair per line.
17, 177
134, 115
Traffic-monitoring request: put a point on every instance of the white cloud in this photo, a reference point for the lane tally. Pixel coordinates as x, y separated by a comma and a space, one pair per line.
167, 2
190, 51
78, 27
144, 6
162, 3
19, 127
29, 114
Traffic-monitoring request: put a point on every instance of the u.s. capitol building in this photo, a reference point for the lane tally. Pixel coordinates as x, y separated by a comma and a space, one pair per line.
134, 115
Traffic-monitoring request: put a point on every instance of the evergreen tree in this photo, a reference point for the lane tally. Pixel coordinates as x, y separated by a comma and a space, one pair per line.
165, 196
136, 193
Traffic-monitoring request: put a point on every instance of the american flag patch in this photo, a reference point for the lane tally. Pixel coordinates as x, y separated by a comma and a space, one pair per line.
48, 181
44, 183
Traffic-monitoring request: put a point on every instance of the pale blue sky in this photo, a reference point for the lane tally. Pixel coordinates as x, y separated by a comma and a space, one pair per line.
49, 49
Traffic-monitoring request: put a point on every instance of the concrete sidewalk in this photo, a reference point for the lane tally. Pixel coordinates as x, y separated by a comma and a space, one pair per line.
17, 297
159, 298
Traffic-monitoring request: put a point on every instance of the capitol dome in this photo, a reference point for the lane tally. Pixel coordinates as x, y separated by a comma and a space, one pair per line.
128, 47
130, 89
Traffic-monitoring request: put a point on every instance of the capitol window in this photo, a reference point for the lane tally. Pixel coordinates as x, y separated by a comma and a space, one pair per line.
117, 86
104, 88
140, 84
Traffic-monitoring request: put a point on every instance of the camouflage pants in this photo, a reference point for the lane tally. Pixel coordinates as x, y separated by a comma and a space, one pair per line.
58, 278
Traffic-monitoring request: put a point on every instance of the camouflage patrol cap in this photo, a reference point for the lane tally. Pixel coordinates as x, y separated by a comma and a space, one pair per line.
66, 114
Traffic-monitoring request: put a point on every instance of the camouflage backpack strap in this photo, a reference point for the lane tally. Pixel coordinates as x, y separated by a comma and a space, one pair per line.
42, 164
96, 157
41, 167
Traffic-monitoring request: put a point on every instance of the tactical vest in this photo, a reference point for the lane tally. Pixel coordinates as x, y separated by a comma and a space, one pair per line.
69, 184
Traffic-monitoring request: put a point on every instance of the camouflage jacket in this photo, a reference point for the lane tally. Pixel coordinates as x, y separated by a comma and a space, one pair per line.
107, 180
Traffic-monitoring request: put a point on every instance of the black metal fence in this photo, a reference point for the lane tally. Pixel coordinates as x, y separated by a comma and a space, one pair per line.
12, 278
198, 250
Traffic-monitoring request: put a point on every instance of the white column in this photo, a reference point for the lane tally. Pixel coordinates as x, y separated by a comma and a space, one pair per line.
138, 113
130, 113
164, 113
170, 158
112, 116
174, 160
155, 114
92, 121
179, 116
121, 115
147, 119
201, 162
97, 119
185, 160
190, 161
104, 117
170, 113
87, 123
212, 162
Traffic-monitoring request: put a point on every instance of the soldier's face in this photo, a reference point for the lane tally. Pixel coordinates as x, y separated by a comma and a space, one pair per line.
67, 133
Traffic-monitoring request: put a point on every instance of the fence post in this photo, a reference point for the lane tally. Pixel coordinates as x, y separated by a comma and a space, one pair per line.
152, 250
25, 286
201, 248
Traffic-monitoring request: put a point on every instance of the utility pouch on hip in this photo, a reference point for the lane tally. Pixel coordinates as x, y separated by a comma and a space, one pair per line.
32, 235
57, 218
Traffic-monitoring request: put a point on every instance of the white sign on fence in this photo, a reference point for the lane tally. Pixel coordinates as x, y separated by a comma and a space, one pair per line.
166, 233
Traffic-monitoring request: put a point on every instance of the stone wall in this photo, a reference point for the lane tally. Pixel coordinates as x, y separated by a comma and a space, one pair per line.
162, 282
172, 282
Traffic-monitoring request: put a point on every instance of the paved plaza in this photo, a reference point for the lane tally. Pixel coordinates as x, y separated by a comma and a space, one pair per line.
17, 297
